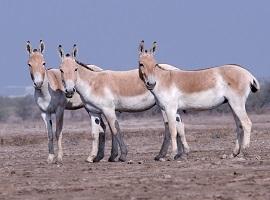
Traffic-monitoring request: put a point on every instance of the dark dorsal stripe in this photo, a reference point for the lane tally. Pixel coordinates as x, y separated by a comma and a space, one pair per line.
84, 65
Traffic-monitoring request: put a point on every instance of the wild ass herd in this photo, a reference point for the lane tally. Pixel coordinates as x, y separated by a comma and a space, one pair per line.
103, 92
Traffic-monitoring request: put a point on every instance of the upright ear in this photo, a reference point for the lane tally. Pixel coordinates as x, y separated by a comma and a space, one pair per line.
29, 47
74, 51
154, 47
141, 47
61, 52
41, 46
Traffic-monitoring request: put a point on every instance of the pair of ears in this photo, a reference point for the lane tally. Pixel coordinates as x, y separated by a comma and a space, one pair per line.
62, 53
30, 49
151, 50
42, 47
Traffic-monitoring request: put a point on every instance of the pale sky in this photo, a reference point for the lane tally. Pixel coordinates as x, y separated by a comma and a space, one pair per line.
191, 34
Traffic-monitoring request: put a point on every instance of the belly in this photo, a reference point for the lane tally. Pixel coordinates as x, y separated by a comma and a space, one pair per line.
135, 103
201, 100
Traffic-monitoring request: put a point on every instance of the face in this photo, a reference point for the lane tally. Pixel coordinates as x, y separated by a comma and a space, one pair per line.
147, 66
68, 68
36, 64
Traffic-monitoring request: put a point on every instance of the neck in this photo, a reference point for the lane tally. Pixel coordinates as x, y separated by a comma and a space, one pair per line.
162, 75
84, 74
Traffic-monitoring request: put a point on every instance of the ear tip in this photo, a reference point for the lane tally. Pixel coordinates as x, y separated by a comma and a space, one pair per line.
40, 41
28, 41
142, 41
59, 46
74, 45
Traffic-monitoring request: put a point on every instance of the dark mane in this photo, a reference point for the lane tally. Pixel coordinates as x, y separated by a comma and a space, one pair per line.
83, 65
92, 68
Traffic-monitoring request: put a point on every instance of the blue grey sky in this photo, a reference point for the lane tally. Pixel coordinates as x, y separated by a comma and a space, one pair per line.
191, 34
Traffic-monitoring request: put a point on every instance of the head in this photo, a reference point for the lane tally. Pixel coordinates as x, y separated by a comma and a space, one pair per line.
68, 68
36, 64
147, 65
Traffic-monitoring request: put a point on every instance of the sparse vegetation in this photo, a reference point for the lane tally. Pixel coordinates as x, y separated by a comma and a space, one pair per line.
25, 108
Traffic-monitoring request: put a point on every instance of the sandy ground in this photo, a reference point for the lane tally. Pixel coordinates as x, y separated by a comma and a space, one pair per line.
24, 173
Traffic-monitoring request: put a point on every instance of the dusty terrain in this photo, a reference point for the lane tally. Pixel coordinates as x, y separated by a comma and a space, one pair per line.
207, 174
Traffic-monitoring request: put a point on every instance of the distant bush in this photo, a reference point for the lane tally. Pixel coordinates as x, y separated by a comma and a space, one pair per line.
25, 107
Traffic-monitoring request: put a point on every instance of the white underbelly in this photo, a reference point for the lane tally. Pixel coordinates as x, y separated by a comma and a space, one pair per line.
201, 100
135, 103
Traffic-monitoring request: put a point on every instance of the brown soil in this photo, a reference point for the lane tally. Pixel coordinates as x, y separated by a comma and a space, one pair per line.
207, 174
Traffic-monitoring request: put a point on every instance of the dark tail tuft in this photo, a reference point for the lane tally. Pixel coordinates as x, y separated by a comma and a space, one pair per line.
254, 86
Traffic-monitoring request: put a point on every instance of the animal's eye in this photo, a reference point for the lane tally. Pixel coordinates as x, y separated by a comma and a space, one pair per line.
29, 65
44, 64
61, 71
141, 65
76, 69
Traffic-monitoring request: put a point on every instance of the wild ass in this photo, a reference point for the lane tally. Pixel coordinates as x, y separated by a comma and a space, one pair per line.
111, 91
202, 89
50, 98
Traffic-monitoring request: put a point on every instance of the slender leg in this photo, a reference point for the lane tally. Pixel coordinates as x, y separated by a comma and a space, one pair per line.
101, 144
117, 137
244, 125
167, 138
183, 147
239, 135
173, 131
165, 145
58, 132
95, 129
48, 124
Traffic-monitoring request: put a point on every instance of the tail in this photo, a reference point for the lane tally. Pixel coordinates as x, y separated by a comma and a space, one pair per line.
254, 85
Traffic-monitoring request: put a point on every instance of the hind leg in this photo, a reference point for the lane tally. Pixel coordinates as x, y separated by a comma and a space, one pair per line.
95, 131
101, 144
183, 147
117, 136
182, 136
244, 125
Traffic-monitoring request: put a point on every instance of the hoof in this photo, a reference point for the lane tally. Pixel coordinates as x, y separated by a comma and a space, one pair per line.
122, 159
50, 159
159, 158
112, 159
90, 159
187, 150
182, 156
60, 158
97, 159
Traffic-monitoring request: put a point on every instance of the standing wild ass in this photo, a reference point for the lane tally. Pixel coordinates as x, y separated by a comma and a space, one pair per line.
202, 89
50, 98
110, 91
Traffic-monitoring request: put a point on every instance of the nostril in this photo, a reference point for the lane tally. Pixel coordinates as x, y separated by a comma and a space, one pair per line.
66, 91
147, 83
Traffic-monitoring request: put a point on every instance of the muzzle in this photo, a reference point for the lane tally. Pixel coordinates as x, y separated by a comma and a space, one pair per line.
150, 85
69, 93
38, 85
